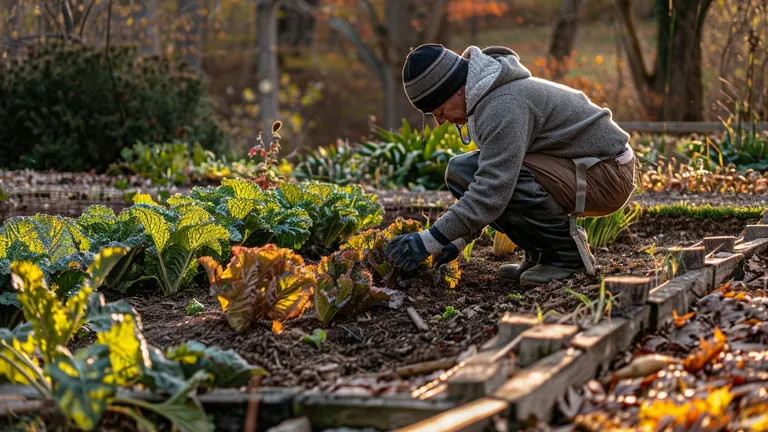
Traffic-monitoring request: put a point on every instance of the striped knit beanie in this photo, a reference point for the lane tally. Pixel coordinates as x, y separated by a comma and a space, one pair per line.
432, 74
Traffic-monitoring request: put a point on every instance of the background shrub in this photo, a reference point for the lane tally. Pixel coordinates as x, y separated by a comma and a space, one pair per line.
60, 107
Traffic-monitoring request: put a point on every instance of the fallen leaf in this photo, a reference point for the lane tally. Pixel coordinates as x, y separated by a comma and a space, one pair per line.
681, 320
706, 351
644, 366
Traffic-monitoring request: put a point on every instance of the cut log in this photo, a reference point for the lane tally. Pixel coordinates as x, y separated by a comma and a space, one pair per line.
726, 266
511, 325
475, 416
719, 244
630, 290
687, 259
754, 247
478, 378
753, 232
543, 340
604, 341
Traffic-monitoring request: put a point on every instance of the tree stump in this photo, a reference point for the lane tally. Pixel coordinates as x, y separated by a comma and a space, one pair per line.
687, 259
543, 340
631, 290
721, 244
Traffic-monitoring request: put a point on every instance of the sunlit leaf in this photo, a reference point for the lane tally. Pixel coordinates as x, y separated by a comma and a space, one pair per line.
681, 320
128, 352
706, 352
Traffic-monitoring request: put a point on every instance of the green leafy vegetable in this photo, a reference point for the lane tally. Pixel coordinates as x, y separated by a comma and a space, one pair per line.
194, 307
177, 238
259, 283
227, 368
317, 338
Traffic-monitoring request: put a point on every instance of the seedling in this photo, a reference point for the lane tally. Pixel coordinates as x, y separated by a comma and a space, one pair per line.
603, 231
449, 313
514, 297
467, 252
194, 307
542, 315
316, 339
592, 310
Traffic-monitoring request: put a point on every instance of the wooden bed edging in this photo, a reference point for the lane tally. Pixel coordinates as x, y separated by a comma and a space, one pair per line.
533, 391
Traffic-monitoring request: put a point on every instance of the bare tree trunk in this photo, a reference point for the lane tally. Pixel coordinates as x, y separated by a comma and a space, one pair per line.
268, 70
674, 90
192, 33
565, 30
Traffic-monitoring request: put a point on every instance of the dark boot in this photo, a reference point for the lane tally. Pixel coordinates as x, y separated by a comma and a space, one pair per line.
542, 274
513, 271
533, 220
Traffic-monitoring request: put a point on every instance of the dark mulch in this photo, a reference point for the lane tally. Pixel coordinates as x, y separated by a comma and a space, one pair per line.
384, 338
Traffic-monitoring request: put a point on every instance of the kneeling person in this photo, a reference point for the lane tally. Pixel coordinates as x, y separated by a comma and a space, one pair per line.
547, 154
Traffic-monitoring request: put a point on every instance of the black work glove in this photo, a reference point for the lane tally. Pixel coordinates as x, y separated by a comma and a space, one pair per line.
448, 254
407, 251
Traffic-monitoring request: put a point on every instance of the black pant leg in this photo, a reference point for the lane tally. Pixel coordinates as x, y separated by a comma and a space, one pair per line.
533, 220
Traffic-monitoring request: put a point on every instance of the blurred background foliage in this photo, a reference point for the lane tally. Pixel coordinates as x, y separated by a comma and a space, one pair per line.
82, 80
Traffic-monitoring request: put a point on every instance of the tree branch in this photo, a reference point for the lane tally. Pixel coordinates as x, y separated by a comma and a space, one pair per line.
631, 43
434, 21
370, 58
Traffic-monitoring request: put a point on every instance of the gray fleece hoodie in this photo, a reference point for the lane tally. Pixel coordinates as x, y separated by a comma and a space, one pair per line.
510, 113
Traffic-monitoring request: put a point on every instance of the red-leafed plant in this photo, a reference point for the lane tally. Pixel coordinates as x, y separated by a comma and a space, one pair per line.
265, 282
345, 286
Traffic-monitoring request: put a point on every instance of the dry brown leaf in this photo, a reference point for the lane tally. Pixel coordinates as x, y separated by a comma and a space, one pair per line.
681, 320
644, 366
706, 351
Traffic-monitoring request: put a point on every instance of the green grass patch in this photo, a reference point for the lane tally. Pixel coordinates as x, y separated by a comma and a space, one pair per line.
706, 211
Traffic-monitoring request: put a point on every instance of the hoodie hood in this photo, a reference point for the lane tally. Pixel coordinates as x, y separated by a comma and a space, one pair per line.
488, 69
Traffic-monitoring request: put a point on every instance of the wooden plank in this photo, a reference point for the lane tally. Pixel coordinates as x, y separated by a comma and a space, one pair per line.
480, 376
603, 342
754, 232
511, 325
630, 290
722, 243
678, 295
759, 246
474, 416
543, 340
332, 411
764, 220
682, 128
726, 266
534, 391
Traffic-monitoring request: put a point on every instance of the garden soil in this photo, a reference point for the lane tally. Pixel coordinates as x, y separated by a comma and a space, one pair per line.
361, 354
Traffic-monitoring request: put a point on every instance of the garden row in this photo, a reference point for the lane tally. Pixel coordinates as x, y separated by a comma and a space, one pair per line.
536, 367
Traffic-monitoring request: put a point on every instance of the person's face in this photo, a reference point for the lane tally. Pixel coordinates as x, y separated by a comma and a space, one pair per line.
453, 110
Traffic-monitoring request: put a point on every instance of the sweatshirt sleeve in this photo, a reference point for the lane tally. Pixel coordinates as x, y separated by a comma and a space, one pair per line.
504, 129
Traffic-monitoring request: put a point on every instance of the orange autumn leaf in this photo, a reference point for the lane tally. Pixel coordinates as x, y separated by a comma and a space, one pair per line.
724, 288
706, 351
681, 320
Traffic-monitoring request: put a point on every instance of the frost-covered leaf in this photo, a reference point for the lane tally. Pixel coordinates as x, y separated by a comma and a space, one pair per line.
227, 367
259, 283
80, 383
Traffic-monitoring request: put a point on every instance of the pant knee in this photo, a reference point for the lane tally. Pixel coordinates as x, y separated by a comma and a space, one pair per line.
460, 172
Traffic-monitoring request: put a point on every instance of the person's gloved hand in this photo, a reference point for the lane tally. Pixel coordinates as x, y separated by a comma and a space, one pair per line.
407, 251
450, 252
